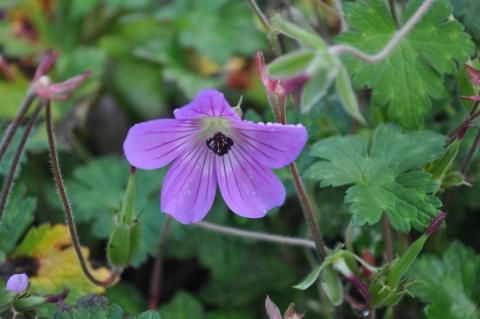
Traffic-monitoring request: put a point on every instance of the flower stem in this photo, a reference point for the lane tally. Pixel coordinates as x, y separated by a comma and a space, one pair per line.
471, 153
387, 236
114, 274
340, 49
308, 211
16, 159
29, 97
155, 288
267, 26
231, 231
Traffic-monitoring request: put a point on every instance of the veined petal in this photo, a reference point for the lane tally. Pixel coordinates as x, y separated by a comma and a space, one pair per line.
189, 188
249, 188
273, 145
209, 103
154, 144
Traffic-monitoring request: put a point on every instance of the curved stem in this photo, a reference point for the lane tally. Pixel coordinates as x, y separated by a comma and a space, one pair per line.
16, 159
308, 212
340, 49
114, 274
278, 239
29, 97
155, 288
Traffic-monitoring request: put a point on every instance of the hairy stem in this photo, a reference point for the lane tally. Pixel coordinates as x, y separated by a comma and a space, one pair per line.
387, 236
308, 212
29, 97
267, 26
340, 49
16, 160
114, 274
156, 285
471, 153
277, 239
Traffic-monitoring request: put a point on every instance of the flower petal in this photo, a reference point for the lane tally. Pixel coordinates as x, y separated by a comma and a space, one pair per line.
249, 188
189, 188
273, 145
207, 102
156, 143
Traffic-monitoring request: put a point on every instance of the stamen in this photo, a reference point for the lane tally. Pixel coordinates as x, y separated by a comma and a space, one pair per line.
220, 144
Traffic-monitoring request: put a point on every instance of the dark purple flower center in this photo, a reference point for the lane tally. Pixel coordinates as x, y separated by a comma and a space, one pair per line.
220, 144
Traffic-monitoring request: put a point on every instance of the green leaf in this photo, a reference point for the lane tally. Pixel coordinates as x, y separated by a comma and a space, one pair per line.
149, 315
197, 20
467, 12
91, 306
96, 191
183, 306
332, 286
347, 95
412, 74
449, 284
291, 64
16, 219
311, 278
384, 174
305, 37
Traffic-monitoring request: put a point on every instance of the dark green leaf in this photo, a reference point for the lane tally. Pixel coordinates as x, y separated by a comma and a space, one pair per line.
449, 284
412, 74
384, 175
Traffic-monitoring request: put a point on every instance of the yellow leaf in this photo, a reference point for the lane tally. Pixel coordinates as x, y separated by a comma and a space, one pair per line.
58, 267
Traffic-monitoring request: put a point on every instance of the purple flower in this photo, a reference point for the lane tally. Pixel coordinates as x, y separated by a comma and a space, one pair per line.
18, 283
209, 144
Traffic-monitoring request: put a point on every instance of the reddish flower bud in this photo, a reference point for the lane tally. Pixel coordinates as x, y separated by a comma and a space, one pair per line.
58, 298
47, 90
46, 64
435, 225
474, 74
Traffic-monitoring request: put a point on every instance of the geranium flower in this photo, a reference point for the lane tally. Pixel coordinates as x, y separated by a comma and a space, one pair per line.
209, 144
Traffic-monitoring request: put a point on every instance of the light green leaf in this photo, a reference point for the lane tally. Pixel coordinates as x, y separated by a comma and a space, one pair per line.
347, 95
291, 64
412, 74
311, 278
332, 286
384, 174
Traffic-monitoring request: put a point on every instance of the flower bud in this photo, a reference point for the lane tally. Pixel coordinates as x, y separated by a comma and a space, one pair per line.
435, 225
18, 283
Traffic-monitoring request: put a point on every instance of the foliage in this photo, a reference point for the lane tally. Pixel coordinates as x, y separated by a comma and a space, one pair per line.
448, 284
384, 173
412, 75
391, 139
